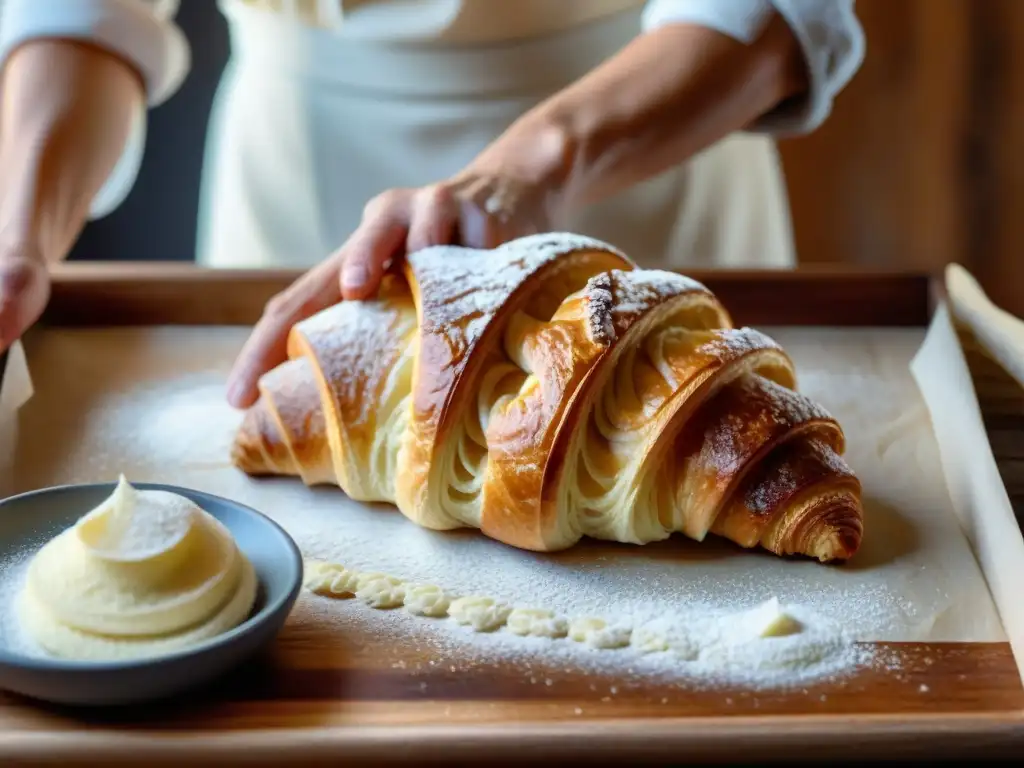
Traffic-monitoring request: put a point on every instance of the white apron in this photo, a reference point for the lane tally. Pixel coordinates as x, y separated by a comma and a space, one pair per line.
307, 127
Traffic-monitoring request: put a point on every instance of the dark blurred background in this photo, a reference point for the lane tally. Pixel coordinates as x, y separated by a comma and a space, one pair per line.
921, 163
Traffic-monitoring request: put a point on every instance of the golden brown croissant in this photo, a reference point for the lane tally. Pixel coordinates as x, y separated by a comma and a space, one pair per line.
549, 390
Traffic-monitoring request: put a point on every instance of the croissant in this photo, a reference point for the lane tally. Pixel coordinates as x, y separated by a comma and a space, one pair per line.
549, 390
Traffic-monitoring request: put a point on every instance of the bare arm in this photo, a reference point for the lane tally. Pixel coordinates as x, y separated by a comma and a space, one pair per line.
65, 116
76, 78
66, 113
666, 96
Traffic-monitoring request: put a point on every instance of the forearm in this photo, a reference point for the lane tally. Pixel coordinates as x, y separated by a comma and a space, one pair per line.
665, 97
65, 117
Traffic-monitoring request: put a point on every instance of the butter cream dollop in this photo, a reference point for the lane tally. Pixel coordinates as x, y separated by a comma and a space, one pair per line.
143, 573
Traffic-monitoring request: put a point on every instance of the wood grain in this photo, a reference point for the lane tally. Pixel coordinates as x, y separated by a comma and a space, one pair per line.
396, 688
1002, 407
921, 161
183, 294
315, 698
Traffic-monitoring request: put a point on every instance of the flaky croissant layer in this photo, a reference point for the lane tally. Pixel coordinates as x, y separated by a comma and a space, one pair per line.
549, 390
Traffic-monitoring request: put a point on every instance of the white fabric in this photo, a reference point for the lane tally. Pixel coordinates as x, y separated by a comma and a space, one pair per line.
141, 31
830, 35
447, 22
324, 104
299, 143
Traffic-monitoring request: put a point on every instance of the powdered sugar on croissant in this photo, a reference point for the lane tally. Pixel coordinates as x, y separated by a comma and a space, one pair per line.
548, 390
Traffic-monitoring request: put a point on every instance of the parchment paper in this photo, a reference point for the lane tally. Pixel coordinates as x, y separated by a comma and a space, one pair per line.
150, 403
977, 491
999, 332
15, 391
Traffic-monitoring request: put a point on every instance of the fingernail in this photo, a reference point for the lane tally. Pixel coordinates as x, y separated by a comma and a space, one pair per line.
355, 276
234, 392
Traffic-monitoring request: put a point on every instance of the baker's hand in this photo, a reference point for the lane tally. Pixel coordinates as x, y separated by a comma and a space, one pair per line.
24, 291
473, 209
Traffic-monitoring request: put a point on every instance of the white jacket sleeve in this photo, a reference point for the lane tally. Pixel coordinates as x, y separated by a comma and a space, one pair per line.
142, 32
829, 33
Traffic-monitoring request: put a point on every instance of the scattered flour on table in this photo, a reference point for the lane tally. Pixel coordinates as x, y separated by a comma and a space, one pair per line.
823, 654
769, 644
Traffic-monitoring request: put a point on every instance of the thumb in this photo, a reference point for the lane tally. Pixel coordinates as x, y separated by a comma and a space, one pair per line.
24, 291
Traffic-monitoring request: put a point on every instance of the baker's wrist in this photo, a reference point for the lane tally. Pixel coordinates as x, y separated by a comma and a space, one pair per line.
536, 154
52, 161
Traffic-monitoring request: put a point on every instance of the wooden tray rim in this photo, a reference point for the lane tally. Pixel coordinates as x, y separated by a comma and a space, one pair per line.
159, 293
735, 737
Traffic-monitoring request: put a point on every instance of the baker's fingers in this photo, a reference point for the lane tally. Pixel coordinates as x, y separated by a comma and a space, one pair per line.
267, 345
435, 213
352, 272
24, 291
378, 239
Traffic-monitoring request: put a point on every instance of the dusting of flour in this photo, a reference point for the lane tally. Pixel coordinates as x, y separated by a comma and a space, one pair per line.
767, 644
14, 637
149, 403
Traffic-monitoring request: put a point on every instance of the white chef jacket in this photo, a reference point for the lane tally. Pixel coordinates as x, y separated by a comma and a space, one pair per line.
143, 32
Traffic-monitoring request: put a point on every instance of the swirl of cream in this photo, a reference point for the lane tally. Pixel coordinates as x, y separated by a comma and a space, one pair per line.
143, 571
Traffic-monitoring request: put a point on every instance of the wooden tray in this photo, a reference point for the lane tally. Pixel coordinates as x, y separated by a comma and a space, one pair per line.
295, 706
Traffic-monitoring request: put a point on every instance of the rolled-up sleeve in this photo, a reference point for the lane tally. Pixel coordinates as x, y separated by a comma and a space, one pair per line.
828, 31
141, 32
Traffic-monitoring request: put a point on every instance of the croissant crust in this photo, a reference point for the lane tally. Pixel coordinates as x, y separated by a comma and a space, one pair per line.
549, 390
